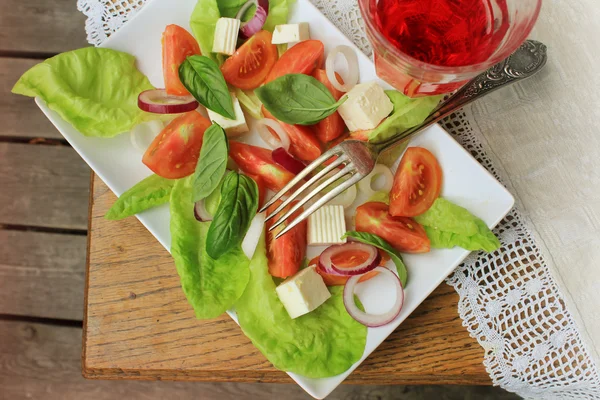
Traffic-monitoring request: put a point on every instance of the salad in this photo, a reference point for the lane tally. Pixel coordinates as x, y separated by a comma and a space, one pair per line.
244, 71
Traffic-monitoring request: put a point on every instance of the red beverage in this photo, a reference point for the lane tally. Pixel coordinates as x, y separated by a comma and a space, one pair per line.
444, 32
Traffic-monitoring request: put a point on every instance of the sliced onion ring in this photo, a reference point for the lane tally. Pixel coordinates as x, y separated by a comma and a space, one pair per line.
346, 198
255, 24
200, 212
373, 320
366, 185
157, 101
326, 263
350, 77
263, 126
143, 134
287, 161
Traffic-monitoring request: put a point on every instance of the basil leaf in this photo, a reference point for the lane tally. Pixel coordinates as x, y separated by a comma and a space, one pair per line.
212, 162
374, 240
202, 77
239, 203
150, 192
298, 99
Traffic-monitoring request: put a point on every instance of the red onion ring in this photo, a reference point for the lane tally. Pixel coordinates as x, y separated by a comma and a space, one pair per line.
255, 24
326, 263
287, 161
200, 212
157, 101
373, 320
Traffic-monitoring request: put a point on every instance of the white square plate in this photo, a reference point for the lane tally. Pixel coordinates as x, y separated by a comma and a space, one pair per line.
466, 182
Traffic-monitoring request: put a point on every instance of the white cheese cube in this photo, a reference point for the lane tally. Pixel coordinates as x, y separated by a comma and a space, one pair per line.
290, 33
303, 292
232, 127
366, 107
226, 35
327, 225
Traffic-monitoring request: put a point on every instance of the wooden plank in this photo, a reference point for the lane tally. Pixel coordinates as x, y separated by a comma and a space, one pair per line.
19, 114
43, 186
139, 325
41, 26
42, 274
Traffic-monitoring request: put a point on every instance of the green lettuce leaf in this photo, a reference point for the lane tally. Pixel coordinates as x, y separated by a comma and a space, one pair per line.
325, 342
448, 225
203, 22
250, 103
211, 286
150, 192
406, 114
94, 89
278, 13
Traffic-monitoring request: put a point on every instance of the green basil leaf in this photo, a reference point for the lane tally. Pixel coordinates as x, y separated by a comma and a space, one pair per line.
202, 77
239, 203
374, 240
212, 162
150, 192
298, 99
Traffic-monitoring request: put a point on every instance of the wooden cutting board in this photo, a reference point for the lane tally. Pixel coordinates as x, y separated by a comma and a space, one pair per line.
139, 325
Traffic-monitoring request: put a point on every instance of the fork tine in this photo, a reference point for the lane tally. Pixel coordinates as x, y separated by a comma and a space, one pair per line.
306, 185
315, 191
321, 159
322, 201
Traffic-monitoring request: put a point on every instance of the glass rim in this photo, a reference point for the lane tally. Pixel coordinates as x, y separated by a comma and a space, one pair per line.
470, 70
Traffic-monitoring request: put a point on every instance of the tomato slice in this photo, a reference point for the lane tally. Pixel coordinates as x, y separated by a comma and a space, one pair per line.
301, 58
348, 260
174, 153
255, 160
286, 253
248, 67
360, 135
417, 183
333, 126
303, 142
403, 233
262, 188
177, 45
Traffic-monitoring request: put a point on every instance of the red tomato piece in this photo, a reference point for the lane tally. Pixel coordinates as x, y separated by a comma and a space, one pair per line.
417, 183
248, 67
360, 135
254, 160
301, 58
403, 233
303, 143
286, 253
174, 153
333, 126
262, 188
177, 45
340, 260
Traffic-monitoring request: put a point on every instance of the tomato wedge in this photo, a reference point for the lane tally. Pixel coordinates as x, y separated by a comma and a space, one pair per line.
262, 188
255, 160
403, 233
174, 153
417, 183
303, 142
248, 67
349, 260
177, 45
286, 253
333, 126
301, 58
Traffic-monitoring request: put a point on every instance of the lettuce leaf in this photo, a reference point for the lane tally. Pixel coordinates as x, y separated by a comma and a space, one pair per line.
323, 343
94, 89
406, 114
279, 11
150, 192
203, 22
211, 286
448, 225
250, 103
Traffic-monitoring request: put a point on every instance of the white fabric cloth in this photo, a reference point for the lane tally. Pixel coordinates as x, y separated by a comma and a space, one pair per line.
509, 300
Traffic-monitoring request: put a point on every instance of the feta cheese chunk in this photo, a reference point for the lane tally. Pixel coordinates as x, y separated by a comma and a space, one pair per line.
290, 33
327, 225
226, 35
232, 127
366, 107
303, 292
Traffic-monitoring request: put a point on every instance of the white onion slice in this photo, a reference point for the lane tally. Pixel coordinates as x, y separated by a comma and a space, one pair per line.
350, 77
201, 213
143, 134
263, 126
373, 320
327, 265
346, 198
380, 171
253, 235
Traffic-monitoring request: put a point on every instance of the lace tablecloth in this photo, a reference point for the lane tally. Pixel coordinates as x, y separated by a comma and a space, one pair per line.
509, 300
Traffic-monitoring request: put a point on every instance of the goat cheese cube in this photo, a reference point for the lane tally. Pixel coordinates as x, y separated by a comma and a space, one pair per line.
367, 105
232, 127
226, 35
290, 33
303, 292
326, 226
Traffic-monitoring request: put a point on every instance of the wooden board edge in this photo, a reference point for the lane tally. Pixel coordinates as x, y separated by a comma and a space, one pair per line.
84, 368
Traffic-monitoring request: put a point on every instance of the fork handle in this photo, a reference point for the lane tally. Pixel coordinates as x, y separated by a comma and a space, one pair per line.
529, 58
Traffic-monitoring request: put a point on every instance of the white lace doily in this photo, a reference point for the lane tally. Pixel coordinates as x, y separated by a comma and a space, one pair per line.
509, 301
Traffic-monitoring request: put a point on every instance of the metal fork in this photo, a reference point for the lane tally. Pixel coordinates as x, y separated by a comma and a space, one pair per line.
358, 158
